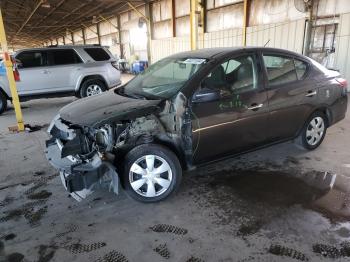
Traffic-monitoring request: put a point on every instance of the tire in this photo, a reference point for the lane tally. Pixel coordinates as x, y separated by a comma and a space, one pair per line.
313, 131
3, 103
92, 87
153, 186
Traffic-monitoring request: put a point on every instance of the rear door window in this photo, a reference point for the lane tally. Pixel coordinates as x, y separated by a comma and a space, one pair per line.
98, 54
280, 70
64, 57
29, 59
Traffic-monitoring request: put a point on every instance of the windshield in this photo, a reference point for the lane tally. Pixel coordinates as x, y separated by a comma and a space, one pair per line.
163, 79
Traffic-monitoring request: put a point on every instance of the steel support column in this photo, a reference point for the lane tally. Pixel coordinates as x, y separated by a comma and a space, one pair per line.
194, 24
83, 34
121, 48
98, 33
10, 77
173, 17
246, 8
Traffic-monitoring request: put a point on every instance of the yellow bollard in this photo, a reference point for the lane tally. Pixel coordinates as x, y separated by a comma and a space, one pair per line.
10, 77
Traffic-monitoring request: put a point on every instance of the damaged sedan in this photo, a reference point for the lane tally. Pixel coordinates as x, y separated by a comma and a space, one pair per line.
190, 109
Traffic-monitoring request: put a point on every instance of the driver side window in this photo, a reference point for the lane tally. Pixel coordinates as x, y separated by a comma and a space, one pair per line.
234, 76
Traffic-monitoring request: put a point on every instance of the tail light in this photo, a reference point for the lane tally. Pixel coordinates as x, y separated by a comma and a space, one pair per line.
342, 82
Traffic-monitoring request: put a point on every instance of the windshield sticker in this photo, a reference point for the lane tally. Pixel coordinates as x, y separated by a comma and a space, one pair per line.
195, 61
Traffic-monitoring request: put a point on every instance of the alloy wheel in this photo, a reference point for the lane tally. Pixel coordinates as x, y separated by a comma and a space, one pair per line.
315, 130
92, 90
150, 176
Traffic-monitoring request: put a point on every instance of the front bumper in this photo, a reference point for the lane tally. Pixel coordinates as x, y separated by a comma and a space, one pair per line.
79, 177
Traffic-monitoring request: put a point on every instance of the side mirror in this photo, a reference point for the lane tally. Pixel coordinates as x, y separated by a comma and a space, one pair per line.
206, 95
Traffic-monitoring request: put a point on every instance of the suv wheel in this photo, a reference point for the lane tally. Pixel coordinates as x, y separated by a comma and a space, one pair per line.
314, 131
92, 87
3, 103
151, 173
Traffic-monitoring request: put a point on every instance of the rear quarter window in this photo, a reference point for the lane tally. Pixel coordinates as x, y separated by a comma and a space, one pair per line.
98, 54
301, 68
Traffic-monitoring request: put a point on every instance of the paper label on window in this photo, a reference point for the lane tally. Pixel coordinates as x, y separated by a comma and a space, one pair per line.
195, 61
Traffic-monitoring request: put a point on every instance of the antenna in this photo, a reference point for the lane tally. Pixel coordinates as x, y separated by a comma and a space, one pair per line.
267, 43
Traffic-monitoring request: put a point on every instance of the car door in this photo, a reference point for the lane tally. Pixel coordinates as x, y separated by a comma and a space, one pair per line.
33, 72
237, 119
290, 92
64, 67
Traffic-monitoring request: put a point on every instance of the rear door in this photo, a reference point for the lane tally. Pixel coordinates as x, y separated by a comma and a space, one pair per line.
64, 68
238, 120
291, 93
33, 72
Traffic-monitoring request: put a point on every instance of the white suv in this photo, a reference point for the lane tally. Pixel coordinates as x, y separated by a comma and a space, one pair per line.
82, 70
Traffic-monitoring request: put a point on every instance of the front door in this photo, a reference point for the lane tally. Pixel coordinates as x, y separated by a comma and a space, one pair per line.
235, 121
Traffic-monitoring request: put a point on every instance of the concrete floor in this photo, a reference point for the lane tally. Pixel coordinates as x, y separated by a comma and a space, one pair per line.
251, 208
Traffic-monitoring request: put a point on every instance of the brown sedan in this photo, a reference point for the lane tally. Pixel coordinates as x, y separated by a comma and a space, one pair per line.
190, 109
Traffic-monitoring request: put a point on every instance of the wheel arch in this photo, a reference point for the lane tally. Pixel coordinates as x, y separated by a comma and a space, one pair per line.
326, 111
89, 77
323, 109
4, 93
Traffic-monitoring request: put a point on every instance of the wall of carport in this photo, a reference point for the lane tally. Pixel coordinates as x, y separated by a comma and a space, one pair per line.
274, 23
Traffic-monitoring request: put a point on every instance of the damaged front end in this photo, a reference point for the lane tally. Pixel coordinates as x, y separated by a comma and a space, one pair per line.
91, 138
81, 156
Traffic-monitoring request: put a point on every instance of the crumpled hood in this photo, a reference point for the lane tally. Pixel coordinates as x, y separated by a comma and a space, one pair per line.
106, 107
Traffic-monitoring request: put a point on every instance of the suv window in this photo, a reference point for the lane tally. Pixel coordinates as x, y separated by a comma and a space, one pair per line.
280, 69
64, 57
98, 54
234, 76
30, 59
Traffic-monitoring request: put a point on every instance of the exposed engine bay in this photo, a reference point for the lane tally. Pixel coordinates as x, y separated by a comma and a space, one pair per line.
89, 157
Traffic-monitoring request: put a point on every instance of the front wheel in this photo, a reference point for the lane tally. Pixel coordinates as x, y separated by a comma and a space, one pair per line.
151, 173
314, 131
3, 103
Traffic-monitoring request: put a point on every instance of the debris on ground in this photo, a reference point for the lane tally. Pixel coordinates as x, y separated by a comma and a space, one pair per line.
33, 128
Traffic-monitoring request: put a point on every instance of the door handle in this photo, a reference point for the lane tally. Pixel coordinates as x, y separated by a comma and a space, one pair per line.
46, 71
311, 93
255, 107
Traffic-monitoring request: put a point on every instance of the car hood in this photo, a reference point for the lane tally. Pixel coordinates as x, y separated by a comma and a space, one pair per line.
106, 107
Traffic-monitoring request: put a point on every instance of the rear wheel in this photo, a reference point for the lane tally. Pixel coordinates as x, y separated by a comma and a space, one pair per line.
3, 103
314, 131
151, 173
92, 87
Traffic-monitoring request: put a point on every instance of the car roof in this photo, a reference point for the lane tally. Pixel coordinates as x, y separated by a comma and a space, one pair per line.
60, 47
209, 53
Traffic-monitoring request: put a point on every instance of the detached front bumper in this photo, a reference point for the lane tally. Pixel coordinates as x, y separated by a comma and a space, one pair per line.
80, 177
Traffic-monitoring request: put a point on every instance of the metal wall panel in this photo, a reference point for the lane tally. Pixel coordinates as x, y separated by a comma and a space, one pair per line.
342, 55
164, 47
288, 35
